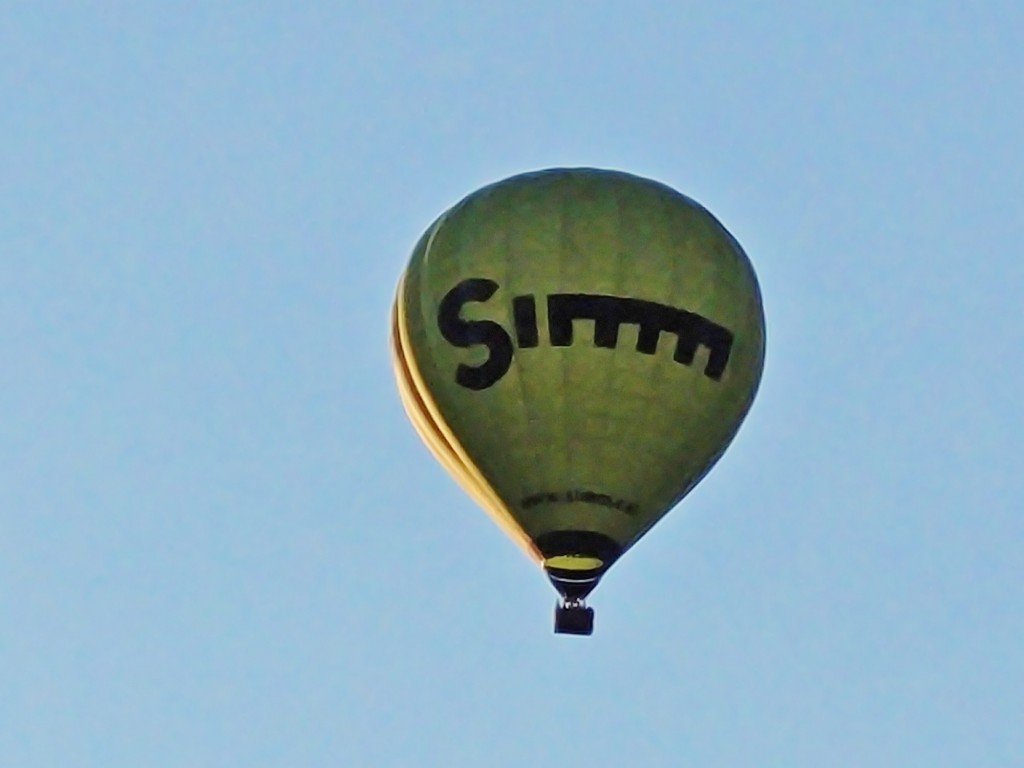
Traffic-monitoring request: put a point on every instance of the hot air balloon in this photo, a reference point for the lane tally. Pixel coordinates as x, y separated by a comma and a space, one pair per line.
577, 347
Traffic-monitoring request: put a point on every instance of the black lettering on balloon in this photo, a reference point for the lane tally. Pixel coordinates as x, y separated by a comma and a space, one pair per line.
653, 319
524, 312
467, 333
608, 314
576, 494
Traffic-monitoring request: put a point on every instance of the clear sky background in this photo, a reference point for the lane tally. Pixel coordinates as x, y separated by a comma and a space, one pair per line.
221, 543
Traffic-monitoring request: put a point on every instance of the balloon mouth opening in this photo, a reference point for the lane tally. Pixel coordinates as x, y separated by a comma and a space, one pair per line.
575, 561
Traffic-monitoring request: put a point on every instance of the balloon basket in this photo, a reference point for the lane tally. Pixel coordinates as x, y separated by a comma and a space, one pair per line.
573, 618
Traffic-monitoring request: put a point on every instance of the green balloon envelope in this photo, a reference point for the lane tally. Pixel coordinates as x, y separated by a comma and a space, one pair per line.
578, 347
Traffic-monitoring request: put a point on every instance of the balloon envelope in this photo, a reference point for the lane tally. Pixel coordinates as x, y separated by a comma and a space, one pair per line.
577, 347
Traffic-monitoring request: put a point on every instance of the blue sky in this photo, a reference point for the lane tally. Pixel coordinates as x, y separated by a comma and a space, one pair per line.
222, 544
